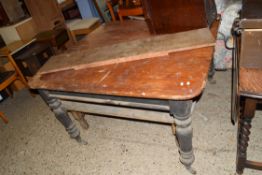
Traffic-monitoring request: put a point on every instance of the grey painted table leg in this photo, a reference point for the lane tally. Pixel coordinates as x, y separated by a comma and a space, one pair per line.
181, 111
62, 116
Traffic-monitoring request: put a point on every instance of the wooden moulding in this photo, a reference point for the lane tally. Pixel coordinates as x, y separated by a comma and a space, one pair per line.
139, 49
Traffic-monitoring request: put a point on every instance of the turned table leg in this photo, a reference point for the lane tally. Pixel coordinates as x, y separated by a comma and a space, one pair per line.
244, 132
181, 111
62, 116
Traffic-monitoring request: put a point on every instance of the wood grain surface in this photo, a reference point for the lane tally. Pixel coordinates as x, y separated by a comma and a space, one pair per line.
181, 75
169, 16
113, 33
99, 52
251, 49
27, 30
250, 81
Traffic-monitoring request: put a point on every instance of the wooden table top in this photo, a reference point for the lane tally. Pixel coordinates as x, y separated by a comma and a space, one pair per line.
177, 73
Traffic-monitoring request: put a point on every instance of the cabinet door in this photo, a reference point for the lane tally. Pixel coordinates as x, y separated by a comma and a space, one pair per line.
168, 16
45, 13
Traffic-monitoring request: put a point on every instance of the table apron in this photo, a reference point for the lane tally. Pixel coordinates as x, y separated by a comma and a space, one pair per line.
121, 107
118, 111
154, 104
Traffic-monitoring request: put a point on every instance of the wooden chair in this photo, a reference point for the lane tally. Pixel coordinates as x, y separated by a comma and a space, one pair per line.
57, 37
5, 52
8, 77
125, 8
82, 26
247, 80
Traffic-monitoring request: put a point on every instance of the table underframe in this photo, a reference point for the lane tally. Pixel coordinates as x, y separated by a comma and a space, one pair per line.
177, 113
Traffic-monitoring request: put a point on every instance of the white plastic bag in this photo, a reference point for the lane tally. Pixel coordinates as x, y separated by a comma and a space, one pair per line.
220, 4
229, 11
227, 18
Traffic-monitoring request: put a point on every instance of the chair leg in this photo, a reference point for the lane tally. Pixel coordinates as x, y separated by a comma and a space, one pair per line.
18, 71
4, 118
244, 132
109, 6
73, 36
120, 17
9, 92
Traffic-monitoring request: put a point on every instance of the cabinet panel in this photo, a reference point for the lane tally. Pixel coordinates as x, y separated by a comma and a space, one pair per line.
169, 16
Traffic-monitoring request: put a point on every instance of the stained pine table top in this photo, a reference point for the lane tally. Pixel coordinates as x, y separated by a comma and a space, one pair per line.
127, 61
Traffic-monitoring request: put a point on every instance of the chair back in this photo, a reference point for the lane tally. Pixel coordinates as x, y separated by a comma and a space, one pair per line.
125, 8
7, 78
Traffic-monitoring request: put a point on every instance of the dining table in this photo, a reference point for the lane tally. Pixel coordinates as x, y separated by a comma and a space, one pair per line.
123, 71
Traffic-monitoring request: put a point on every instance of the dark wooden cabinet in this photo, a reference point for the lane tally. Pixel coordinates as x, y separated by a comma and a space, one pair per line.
45, 13
32, 57
4, 20
169, 16
11, 12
